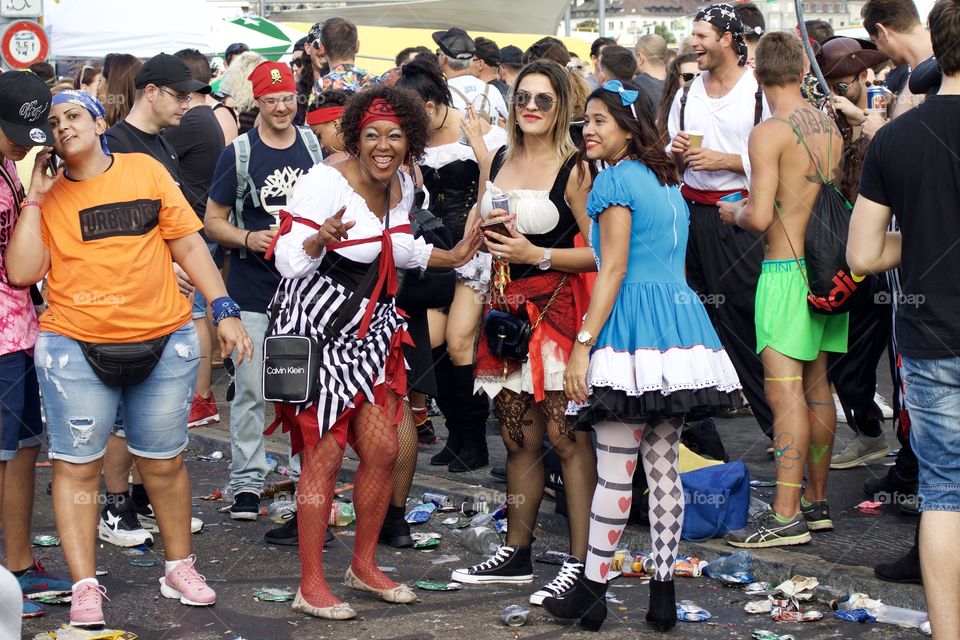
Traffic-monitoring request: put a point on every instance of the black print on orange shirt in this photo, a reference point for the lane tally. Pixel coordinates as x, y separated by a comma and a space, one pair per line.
133, 218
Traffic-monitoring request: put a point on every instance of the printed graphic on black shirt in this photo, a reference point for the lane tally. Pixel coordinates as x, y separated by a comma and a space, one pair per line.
133, 218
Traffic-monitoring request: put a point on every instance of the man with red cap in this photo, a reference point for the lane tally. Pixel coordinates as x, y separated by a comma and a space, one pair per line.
265, 162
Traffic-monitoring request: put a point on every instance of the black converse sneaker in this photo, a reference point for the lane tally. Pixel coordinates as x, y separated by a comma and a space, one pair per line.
562, 584
246, 506
509, 565
119, 526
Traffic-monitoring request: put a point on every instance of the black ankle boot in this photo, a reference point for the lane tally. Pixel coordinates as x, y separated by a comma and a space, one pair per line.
905, 570
585, 605
473, 411
662, 610
395, 531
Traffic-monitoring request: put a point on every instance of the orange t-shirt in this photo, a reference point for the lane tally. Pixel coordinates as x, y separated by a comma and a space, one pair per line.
111, 274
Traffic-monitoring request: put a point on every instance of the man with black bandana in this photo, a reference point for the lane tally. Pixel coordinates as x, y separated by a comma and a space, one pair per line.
709, 124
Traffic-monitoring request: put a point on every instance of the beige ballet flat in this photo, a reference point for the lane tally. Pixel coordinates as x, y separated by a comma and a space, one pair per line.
401, 594
341, 611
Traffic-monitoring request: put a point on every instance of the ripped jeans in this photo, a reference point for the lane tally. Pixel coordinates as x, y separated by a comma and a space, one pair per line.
81, 410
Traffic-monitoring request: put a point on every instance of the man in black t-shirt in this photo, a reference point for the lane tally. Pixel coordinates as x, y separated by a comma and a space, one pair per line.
198, 142
923, 195
164, 86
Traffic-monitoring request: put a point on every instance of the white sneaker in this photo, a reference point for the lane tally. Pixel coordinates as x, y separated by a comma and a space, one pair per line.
885, 409
841, 414
121, 528
149, 521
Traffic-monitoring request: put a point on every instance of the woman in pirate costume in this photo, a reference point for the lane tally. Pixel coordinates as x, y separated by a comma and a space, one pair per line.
348, 231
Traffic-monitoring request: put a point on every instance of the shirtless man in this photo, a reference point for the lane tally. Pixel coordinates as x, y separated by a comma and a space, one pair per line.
788, 153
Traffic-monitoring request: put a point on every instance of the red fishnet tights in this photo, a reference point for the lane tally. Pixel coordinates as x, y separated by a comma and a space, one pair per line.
375, 441
406, 457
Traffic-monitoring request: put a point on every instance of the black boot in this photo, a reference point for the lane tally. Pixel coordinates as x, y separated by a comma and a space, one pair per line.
449, 407
395, 531
585, 605
473, 411
906, 570
662, 610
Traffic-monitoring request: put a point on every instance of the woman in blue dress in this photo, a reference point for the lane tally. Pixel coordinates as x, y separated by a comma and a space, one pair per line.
647, 357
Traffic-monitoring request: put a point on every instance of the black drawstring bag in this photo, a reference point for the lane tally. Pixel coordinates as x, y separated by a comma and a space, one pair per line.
832, 288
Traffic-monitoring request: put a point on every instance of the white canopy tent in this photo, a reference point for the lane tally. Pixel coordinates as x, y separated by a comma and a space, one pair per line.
94, 28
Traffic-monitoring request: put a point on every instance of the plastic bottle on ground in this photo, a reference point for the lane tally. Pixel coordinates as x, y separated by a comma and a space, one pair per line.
483, 540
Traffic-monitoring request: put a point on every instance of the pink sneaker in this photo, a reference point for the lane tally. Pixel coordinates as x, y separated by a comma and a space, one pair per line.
86, 605
185, 583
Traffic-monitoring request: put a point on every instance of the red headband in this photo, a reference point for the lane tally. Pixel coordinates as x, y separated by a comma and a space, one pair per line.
379, 109
324, 115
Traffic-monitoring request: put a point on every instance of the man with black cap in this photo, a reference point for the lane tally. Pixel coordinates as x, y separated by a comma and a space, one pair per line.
487, 64
710, 123
511, 61
457, 51
24, 107
164, 87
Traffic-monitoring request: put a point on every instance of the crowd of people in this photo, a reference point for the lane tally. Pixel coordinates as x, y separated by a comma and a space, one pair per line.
604, 251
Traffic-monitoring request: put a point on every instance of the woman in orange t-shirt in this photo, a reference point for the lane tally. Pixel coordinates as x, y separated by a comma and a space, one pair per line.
117, 333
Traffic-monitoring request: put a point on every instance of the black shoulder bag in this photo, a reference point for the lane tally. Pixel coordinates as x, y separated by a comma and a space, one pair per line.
291, 362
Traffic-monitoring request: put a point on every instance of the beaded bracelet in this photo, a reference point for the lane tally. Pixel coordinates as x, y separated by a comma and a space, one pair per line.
224, 307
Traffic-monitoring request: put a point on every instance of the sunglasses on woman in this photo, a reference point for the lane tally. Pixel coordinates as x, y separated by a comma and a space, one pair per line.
841, 88
688, 77
543, 101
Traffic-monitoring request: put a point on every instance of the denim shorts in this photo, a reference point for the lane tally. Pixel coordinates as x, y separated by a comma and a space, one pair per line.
199, 302
82, 411
19, 405
933, 399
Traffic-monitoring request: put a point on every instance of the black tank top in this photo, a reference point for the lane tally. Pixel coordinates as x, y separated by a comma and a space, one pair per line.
561, 236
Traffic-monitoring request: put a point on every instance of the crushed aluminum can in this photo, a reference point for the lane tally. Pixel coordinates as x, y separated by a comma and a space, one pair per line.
688, 611
738, 579
757, 589
780, 614
452, 522
762, 484
429, 543
500, 526
213, 457
688, 567
438, 499
273, 595
758, 606
854, 615
46, 541
421, 513
641, 565
429, 585
514, 616
101, 572
763, 634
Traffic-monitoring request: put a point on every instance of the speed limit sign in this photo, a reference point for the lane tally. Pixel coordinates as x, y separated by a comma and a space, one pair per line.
23, 43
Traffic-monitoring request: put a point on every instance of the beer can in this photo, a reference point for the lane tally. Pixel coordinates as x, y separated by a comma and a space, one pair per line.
514, 615
876, 98
501, 201
438, 499
642, 563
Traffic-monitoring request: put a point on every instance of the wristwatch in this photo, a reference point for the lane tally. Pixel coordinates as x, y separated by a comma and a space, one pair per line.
544, 263
586, 339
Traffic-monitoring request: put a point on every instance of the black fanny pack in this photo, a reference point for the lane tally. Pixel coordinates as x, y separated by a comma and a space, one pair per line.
123, 364
508, 335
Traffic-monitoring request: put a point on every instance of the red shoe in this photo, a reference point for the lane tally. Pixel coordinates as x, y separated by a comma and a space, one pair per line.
203, 411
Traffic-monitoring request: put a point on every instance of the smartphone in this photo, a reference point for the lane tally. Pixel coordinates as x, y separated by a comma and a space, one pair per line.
53, 164
736, 196
497, 227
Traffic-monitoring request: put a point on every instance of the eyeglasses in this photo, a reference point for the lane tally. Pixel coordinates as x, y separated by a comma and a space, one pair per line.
687, 77
274, 101
543, 101
182, 98
231, 370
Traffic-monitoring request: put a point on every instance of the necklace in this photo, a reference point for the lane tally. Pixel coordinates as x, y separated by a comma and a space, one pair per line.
444, 121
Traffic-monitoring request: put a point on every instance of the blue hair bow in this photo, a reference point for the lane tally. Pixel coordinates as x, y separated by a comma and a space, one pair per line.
627, 96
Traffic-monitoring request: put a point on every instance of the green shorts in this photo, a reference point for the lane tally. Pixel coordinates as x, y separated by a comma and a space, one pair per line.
784, 320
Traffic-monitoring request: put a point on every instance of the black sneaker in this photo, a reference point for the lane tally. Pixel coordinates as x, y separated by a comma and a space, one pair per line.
817, 515
766, 530
891, 488
426, 436
288, 535
499, 471
565, 581
509, 565
119, 526
246, 506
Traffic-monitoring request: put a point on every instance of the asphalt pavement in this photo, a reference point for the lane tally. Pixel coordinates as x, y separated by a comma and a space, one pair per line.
237, 563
